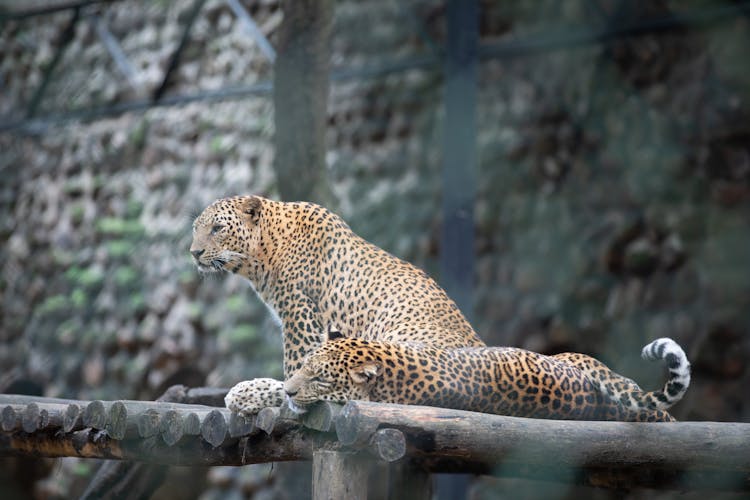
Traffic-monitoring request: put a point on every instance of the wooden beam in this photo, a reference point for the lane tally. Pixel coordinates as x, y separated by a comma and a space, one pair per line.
699, 455
681, 455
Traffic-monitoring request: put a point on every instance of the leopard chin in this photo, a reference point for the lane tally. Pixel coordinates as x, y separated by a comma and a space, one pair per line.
299, 410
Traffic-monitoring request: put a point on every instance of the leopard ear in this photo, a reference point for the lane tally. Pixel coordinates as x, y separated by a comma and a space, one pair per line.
334, 333
251, 207
365, 373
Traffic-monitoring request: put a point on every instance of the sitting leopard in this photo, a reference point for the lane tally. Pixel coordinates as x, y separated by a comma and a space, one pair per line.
312, 270
501, 380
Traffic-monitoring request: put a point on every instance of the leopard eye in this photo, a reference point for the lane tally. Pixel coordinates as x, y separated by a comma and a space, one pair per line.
216, 229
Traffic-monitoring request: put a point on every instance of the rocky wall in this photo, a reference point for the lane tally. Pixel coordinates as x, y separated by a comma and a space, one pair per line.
612, 208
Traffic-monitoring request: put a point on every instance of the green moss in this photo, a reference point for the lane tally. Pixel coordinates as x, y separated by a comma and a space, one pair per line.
137, 303
236, 304
62, 257
76, 213
89, 277
194, 310
217, 145
119, 227
53, 304
79, 298
125, 276
118, 249
241, 334
139, 135
133, 209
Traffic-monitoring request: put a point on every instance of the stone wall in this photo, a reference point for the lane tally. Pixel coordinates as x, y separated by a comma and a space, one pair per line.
614, 188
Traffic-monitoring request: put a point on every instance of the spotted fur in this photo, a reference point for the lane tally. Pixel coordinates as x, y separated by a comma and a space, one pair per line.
501, 380
313, 271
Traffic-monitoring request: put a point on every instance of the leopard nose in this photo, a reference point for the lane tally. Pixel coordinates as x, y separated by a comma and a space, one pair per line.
197, 253
290, 392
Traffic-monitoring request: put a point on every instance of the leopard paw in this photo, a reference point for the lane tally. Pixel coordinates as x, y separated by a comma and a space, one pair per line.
251, 396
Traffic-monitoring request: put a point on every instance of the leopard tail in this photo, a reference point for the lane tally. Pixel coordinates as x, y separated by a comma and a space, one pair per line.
672, 354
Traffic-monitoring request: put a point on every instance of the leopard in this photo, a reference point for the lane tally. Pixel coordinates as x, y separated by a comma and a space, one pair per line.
312, 270
499, 380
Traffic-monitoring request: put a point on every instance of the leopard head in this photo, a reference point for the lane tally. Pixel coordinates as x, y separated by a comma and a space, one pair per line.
227, 235
340, 370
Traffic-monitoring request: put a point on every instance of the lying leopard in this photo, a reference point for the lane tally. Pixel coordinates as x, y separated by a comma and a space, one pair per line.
501, 380
312, 270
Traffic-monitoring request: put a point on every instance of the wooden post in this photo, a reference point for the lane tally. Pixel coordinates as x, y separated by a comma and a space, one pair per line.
338, 475
300, 89
406, 480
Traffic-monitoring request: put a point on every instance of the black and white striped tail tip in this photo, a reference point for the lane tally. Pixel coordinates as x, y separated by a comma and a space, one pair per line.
677, 363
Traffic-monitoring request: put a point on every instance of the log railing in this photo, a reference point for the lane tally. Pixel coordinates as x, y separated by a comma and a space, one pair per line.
347, 442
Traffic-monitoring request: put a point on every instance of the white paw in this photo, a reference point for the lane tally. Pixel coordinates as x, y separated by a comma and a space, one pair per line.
251, 396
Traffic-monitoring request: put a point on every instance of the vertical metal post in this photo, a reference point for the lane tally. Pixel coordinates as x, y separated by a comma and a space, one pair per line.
459, 175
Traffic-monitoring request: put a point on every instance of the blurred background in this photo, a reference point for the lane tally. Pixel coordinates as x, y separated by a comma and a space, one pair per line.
576, 174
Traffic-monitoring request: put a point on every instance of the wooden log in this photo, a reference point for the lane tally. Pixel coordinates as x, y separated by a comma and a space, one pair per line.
409, 480
214, 428
30, 418
171, 427
72, 419
208, 396
50, 419
436, 433
10, 419
117, 420
95, 415
266, 419
148, 423
191, 424
241, 426
339, 474
389, 444
321, 416
354, 428
291, 444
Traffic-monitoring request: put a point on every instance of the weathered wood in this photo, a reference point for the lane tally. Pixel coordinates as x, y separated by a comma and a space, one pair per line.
95, 415
436, 433
131, 480
300, 96
191, 424
389, 444
269, 417
50, 419
214, 428
30, 418
171, 427
241, 426
685, 455
149, 423
208, 396
321, 416
291, 444
408, 480
266, 419
354, 427
339, 474
72, 419
10, 419
117, 420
